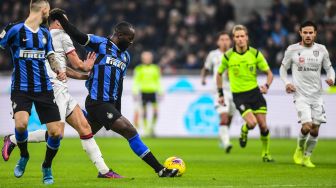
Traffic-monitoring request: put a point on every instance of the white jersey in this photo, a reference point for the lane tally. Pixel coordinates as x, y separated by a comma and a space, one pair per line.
306, 64
212, 62
63, 45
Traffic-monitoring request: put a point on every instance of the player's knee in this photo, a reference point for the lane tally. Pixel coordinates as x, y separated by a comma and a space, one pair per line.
251, 124
224, 120
21, 125
306, 127
56, 131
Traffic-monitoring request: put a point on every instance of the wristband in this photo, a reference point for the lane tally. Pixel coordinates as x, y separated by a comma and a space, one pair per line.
220, 92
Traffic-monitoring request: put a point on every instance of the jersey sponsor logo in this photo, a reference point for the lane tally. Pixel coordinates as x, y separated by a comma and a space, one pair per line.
316, 53
3, 33
314, 69
116, 63
35, 54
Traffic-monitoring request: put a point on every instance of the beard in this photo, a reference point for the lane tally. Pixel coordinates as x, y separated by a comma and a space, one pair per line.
44, 19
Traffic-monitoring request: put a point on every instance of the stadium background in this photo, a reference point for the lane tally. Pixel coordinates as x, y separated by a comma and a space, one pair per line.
180, 34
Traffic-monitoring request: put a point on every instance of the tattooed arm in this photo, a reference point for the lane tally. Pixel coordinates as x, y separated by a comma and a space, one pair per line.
55, 66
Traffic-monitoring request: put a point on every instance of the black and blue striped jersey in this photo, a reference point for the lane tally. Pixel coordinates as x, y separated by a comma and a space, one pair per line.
105, 80
29, 50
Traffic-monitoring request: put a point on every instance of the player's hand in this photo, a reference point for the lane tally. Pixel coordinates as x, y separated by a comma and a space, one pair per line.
221, 100
62, 76
263, 89
330, 82
90, 60
290, 88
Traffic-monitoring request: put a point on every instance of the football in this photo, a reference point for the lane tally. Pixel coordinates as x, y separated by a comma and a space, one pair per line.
176, 162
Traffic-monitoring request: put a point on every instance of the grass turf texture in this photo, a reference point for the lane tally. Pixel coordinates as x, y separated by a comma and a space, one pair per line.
207, 165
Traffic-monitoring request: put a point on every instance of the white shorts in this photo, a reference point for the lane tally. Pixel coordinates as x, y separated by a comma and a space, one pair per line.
310, 110
229, 107
65, 102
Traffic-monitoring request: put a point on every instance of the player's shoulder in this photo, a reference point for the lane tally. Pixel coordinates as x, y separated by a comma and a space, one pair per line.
128, 56
228, 53
13, 27
320, 47
294, 47
255, 52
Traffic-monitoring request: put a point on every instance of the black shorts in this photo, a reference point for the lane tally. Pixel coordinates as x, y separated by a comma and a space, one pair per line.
250, 101
101, 114
44, 102
148, 98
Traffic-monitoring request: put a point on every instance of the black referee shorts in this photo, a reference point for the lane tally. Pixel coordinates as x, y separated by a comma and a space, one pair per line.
45, 104
250, 101
148, 98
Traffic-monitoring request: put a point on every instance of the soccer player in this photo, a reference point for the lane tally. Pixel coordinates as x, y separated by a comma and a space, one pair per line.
68, 106
103, 103
306, 60
226, 111
30, 45
242, 62
147, 83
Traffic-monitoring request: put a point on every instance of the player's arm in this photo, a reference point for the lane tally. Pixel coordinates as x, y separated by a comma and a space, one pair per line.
6, 35
328, 68
55, 66
285, 65
206, 69
76, 75
219, 80
263, 66
78, 64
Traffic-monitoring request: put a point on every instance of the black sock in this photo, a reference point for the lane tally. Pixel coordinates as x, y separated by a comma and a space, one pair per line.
153, 162
264, 133
50, 154
23, 149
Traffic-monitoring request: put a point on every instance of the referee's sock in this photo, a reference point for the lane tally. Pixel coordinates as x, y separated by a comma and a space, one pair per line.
141, 150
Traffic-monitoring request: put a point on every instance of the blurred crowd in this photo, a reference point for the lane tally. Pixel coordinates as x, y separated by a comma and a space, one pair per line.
181, 33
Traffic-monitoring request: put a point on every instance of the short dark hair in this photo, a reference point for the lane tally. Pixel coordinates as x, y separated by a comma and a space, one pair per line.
308, 23
34, 4
222, 33
52, 13
122, 27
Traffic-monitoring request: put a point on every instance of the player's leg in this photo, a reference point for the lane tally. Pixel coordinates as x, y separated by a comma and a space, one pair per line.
49, 114
10, 141
225, 120
123, 127
318, 116
77, 120
22, 105
304, 112
106, 114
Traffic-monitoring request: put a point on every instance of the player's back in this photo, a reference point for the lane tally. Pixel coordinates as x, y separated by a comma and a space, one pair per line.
306, 68
29, 49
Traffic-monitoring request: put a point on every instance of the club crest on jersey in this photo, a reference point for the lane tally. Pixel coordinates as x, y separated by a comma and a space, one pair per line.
44, 40
316, 53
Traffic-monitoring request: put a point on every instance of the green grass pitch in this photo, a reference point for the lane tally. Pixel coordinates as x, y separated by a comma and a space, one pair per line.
207, 165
